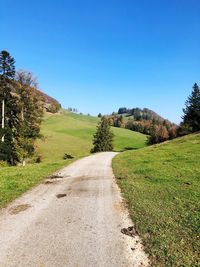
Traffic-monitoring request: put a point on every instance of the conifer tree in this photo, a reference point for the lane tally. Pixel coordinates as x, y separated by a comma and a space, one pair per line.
9, 108
7, 72
103, 137
191, 111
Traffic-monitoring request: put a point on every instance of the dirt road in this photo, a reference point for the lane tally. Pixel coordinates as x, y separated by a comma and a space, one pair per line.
74, 220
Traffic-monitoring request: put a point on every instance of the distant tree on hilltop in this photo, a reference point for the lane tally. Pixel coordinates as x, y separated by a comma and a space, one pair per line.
103, 137
122, 110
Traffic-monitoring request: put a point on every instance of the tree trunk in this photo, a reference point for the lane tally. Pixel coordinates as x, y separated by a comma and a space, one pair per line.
22, 113
3, 118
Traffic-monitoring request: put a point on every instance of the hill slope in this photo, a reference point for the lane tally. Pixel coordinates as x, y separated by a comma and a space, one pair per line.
72, 133
162, 186
50, 103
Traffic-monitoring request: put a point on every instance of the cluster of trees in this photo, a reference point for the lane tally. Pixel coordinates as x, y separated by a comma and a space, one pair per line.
50, 104
190, 123
116, 121
21, 112
140, 114
159, 130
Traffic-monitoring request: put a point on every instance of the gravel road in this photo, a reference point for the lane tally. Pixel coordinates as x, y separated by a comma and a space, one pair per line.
74, 220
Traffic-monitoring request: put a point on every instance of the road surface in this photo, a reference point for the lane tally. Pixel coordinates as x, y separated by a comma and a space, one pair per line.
74, 220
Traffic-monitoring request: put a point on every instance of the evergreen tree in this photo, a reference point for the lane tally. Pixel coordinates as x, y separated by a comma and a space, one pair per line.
103, 137
9, 108
7, 65
7, 72
192, 110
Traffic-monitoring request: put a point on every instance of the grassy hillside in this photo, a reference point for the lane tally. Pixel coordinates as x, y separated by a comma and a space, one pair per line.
63, 133
72, 133
162, 187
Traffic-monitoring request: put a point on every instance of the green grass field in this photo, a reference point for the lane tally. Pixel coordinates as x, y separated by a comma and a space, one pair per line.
161, 184
63, 133
72, 133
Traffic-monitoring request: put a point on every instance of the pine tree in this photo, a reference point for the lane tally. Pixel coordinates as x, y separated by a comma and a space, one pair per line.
7, 71
191, 116
103, 137
7, 65
9, 108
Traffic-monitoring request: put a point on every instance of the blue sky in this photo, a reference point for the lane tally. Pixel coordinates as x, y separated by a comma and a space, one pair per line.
100, 55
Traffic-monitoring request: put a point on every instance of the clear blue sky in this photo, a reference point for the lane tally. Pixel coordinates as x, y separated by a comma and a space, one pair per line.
99, 55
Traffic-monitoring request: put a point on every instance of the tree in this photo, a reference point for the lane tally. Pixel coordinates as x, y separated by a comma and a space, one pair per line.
25, 80
7, 65
7, 71
9, 111
173, 132
158, 134
31, 112
183, 129
99, 115
103, 137
122, 110
153, 138
192, 110
120, 122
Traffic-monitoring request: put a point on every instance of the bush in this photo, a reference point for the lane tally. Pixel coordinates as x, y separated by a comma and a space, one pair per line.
67, 156
38, 159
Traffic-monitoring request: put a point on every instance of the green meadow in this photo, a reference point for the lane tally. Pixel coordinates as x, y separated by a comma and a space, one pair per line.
72, 133
62, 133
161, 184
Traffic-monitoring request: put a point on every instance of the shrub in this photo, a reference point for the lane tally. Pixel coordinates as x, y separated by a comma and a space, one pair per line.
67, 156
38, 159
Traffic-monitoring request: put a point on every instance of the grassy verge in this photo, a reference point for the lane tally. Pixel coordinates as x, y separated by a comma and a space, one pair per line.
162, 187
14, 181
